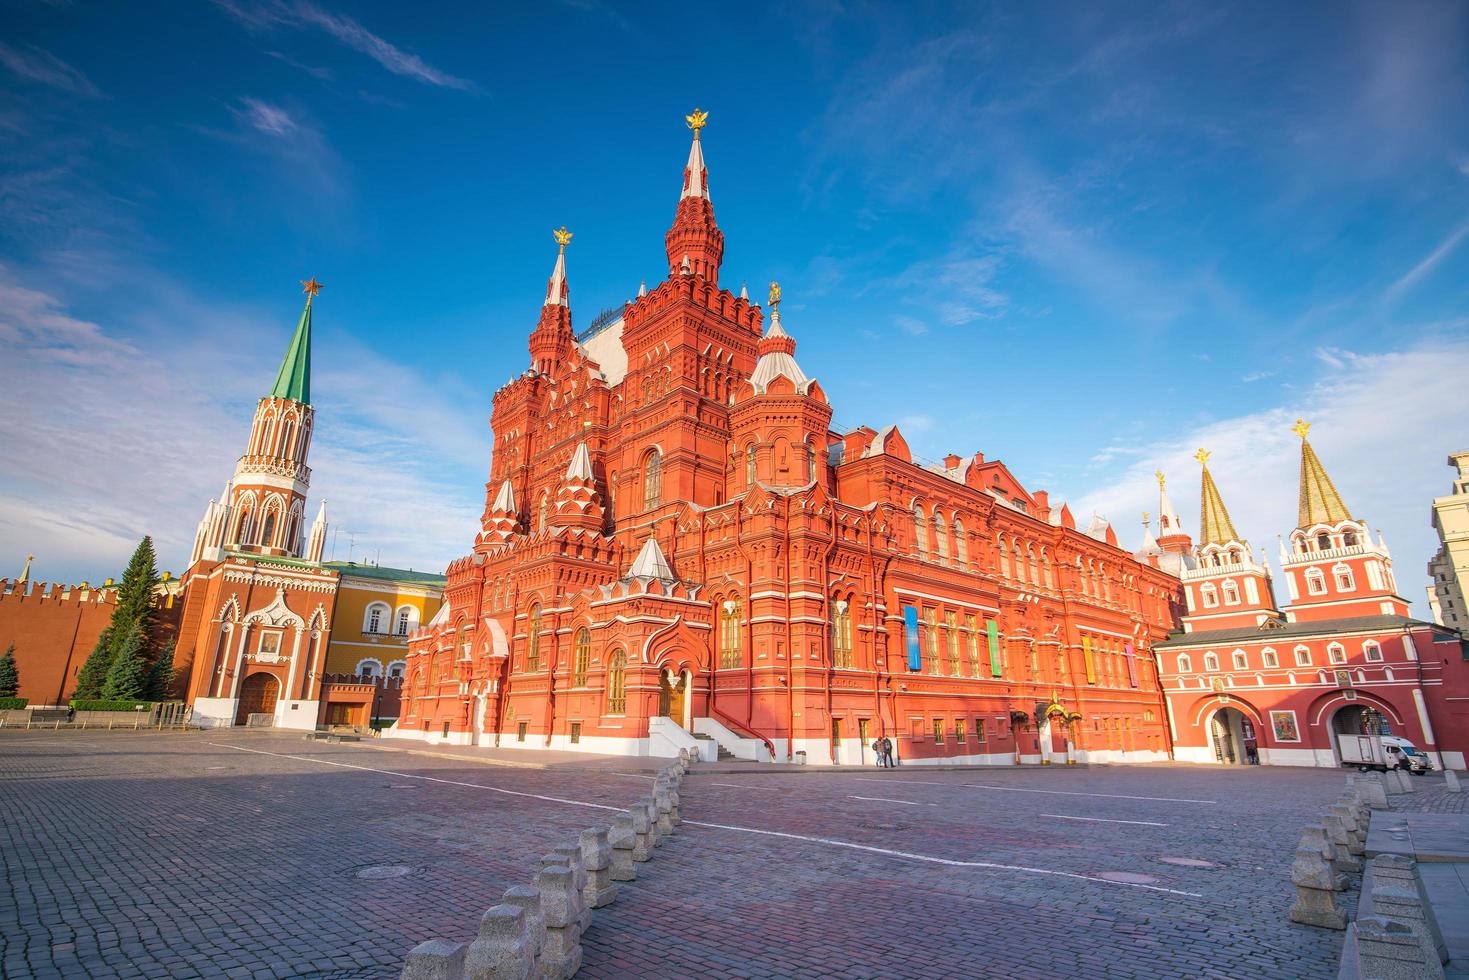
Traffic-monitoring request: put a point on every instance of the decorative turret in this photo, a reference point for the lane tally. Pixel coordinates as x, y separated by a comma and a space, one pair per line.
777, 351
1332, 567
317, 542
502, 519
650, 563
552, 338
1171, 536
1226, 588
578, 503
695, 244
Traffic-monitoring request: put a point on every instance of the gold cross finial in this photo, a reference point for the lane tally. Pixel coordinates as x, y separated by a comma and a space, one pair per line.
1159, 475
1203, 457
1301, 428
1145, 518
310, 287
562, 236
697, 120
774, 293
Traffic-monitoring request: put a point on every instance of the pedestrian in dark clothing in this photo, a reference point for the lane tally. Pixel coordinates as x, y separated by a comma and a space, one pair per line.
887, 753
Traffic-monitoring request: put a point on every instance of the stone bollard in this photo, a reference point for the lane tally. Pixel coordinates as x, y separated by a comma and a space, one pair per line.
683, 757
1405, 905
673, 800
1405, 781
1348, 818
1315, 882
1314, 838
561, 905
1451, 781
504, 948
1337, 831
528, 900
436, 959
623, 839
1370, 789
650, 807
569, 856
1397, 893
1378, 947
665, 811
643, 848
596, 854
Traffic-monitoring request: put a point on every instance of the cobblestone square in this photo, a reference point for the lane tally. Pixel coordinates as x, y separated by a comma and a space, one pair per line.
266, 855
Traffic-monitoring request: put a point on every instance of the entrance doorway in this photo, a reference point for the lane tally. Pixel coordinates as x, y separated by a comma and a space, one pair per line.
1227, 735
258, 695
864, 738
1359, 719
673, 691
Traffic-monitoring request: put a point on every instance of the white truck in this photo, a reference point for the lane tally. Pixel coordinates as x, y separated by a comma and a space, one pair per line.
1381, 752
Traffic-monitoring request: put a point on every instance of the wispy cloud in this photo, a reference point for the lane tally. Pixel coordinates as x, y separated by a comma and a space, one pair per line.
38, 65
957, 287
266, 117
1426, 265
303, 15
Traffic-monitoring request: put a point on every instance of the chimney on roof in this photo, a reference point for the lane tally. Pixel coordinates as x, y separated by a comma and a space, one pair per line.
952, 461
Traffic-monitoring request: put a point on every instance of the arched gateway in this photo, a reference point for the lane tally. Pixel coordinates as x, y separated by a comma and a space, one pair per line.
258, 695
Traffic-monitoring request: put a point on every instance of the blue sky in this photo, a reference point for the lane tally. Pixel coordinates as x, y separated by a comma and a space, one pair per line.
1079, 238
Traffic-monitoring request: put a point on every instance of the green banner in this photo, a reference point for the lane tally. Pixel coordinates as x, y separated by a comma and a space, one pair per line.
993, 630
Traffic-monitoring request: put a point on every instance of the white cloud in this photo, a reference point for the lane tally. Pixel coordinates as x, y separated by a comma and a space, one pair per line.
1383, 425
37, 65
266, 117
1427, 264
911, 324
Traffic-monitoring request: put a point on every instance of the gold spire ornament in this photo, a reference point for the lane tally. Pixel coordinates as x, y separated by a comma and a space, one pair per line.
310, 287
1159, 475
562, 236
774, 294
1203, 457
1301, 428
1145, 519
697, 120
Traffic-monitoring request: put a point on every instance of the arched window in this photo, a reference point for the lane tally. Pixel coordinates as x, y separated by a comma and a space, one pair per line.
375, 620
940, 534
841, 633
1323, 542
1035, 568
1303, 656
267, 530
961, 543
287, 431
371, 667
1209, 594
1049, 575
810, 463
1371, 651
245, 526
1241, 662
617, 683
533, 640
920, 530
1315, 581
652, 480
730, 651
1004, 558
1231, 592
1343, 576
544, 510
1349, 538
1271, 658
1336, 653
1211, 661
1185, 664
395, 669
583, 657
1019, 557
750, 465
405, 620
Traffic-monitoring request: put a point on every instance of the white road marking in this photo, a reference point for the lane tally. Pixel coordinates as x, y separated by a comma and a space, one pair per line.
905, 855
884, 799
1139, 823
909, 856
1055, 792
760, 789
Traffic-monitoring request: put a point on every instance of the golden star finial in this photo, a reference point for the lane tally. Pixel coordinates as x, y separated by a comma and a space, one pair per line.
562, 236
697, 120
1203, 457
1145, 518
1161, 481
774, 293
310, 287
1301, 428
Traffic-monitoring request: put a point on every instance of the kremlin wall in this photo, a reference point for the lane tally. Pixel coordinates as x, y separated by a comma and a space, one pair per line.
677, 551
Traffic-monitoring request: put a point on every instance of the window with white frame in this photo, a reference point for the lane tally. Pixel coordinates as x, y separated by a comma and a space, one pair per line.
375, 619
1231, 592
1336, 653
370, 667
1315, 581
1271, 658
1303, 656
1241, 662
406, 621
1343, 576
1371, 651
1209, 594
1211, 661
396, 668
1185, 664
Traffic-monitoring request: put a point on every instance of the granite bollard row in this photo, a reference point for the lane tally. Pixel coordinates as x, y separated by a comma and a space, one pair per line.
1329, 850
536, 930
1395, 934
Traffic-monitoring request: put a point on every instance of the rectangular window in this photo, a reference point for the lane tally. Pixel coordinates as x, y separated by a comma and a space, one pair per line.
971, 640
938, 731
446, 729
951, 626
1271, 658
520, 731
959, 730
575, 732
1303, 657
979, 729
931, 641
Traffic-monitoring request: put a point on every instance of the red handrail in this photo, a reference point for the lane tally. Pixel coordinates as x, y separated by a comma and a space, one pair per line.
741, 728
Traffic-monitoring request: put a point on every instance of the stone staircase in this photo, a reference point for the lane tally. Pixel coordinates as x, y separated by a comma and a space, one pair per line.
723, 755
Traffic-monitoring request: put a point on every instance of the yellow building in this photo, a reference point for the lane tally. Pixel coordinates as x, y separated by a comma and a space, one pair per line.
1449, 569
376, 609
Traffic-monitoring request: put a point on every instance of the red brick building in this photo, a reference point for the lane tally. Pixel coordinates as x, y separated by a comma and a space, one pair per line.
678, 551
1343, 657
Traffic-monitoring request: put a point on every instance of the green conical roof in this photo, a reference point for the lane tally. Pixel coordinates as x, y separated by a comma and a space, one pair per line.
293, 381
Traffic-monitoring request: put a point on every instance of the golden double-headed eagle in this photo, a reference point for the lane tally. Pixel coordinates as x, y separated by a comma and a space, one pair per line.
774, 293
697, 120
562, 236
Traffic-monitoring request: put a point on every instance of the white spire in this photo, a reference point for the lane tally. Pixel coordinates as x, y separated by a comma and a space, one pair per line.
744, 293
650, 563
1150, 545
316, 543
1168, 522
697, 186
321, 512
581, 465
556, 288
642, 289
505, 500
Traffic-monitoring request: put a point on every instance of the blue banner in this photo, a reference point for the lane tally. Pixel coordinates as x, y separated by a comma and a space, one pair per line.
910, 630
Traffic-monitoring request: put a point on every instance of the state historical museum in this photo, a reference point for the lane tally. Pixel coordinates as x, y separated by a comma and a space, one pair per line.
678, 551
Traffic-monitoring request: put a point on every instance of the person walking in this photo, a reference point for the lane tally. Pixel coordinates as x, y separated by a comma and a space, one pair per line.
878, 753
887, 753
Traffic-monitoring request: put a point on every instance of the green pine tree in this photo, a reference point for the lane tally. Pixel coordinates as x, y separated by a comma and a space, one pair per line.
94, 671
160, 677
128, 675
9, 676
135, 601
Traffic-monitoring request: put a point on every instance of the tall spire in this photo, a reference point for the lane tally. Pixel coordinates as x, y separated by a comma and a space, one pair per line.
1319, 501
25, 573
293, 381
695, 245
1215, 527
552, 339
556, 292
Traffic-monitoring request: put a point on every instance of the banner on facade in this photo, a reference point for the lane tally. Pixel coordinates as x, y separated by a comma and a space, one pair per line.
910, 633
992, 630
1086, 653
1131, 666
